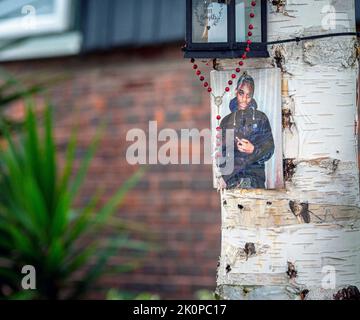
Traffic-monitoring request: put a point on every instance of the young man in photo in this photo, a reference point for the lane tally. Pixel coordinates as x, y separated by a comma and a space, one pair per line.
253, 143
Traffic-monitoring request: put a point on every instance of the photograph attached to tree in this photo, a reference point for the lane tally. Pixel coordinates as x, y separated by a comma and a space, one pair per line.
247, 131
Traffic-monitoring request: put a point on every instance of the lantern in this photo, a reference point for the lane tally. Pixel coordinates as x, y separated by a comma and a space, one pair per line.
221, 28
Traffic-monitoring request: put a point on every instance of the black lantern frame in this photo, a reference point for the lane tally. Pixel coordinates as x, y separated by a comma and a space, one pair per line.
231, 48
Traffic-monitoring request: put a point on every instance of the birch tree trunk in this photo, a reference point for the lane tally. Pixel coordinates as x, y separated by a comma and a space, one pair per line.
320, 166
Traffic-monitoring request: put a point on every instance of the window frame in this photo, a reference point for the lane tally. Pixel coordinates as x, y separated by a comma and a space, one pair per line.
58, 21
231, 48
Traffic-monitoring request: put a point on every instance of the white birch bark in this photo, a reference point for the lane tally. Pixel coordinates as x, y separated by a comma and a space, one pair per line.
322, 77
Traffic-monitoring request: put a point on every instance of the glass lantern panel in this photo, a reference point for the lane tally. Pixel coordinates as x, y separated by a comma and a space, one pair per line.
209, 21
242, 20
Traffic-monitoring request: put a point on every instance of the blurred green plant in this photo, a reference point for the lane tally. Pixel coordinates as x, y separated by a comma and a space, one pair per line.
204, 295
12, 90
114, 294
39, 225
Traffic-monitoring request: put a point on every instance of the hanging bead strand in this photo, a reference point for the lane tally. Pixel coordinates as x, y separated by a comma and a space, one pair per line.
218, 143
218, 100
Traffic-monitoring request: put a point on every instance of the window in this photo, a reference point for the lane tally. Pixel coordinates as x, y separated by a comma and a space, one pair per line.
209, 22
219, 28
23, 18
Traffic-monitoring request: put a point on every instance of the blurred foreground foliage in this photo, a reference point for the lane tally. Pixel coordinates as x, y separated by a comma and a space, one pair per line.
114, 294
13, 90
39, 225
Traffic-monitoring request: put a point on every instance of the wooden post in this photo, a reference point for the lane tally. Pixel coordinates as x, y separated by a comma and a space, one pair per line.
268, 250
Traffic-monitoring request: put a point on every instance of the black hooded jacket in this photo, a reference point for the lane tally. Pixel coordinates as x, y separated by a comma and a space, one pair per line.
253, 125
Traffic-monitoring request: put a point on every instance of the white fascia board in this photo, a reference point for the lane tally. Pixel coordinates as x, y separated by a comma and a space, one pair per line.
56, 45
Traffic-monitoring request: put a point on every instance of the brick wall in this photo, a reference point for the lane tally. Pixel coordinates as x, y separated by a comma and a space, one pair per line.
175, 202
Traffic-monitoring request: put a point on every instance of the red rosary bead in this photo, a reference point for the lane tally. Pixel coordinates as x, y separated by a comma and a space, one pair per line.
249, 33
251, 27
227, 89
230, 82
247, 49
218, 136
195, 66
218, 128
249, 42
252, 15
237, 70
253, 3
218, 117
206, 84
198, 72
209, 89
233, 76
202, 78
243, 56
241, 63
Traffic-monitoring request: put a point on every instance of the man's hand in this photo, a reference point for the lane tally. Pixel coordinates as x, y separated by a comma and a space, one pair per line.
245, 146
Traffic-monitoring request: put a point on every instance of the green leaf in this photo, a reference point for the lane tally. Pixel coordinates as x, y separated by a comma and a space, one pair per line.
36, 204
55, 255
22, 243
20, 94
61, 216
94, 272
80, 259
49, 166
70, 154
32, 149
8, 83
79, 178
116, 200
11, 124
12, 151
23, 221
24, 295
9, 275
83, 221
